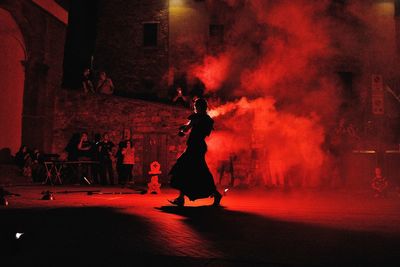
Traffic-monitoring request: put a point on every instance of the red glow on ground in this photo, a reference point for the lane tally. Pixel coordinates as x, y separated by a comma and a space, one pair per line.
255, 225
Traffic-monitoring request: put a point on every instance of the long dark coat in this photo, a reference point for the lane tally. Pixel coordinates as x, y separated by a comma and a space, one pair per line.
190, 174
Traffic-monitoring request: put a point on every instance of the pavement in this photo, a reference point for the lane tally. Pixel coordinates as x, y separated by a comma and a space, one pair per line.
114, 226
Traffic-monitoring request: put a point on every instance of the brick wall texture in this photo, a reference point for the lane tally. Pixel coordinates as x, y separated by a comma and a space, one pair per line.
154, 126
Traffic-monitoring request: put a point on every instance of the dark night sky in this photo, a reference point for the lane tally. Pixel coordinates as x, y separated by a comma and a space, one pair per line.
80, 40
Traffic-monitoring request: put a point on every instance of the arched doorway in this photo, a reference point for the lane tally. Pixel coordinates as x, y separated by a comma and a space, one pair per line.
12, 76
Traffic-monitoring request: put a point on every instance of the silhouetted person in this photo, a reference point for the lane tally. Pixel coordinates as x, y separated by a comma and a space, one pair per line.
105, 159
180, 98
24, 160
72, 147
96, 157
38, 169
21, 156
84, 147
85, 153
87, 84
105, 84
190, 174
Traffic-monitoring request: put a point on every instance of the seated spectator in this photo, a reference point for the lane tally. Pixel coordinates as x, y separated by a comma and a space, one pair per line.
87, 84
105, 84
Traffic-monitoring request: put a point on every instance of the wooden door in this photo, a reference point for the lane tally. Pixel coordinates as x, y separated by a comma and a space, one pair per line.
155, 149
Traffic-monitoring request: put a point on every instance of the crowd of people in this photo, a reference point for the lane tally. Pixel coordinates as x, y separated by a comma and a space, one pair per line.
99, 161
110, 161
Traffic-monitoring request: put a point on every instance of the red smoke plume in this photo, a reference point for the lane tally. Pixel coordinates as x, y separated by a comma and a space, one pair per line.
277, 55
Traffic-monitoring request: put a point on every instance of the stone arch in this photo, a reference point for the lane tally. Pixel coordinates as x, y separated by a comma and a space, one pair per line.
12, 76
44, 38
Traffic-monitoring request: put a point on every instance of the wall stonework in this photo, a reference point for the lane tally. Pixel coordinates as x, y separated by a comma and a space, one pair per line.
44, 38
136, 70
154, 126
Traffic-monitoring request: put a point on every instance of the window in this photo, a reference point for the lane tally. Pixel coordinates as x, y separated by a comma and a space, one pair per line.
150, 34
217, 33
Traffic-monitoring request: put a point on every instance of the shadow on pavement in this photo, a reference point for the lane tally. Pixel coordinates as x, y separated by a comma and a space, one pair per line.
253, 238
79, 237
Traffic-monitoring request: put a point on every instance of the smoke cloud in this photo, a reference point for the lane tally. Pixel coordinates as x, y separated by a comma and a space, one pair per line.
277, 75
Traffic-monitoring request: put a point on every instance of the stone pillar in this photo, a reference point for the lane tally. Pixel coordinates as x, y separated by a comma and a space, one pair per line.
34, 114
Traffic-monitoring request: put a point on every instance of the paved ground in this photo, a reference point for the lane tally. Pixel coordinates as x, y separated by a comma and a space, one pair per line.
253, 228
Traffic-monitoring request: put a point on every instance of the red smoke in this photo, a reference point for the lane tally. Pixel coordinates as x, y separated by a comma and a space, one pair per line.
277, 55
213, 71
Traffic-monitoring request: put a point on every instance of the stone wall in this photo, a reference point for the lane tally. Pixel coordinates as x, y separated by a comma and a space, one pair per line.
135, 69
44, 38
154, 126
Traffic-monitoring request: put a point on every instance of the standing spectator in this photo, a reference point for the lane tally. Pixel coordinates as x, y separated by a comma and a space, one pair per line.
38, 171
96, 158
84, 147
72, 147
114, 152
128, 154
180, 98
24, 160
72, 171
87, 84
105, 84
105, 159
21, 156
121, 146
85, 153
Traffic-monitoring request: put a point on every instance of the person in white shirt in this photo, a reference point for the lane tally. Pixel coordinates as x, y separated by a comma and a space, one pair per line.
128, 159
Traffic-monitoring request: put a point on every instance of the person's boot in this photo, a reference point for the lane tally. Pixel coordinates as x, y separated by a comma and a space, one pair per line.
217, 199
179, 201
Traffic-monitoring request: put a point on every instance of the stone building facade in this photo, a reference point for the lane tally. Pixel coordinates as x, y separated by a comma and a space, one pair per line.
137, 66
182, 35
43, 38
